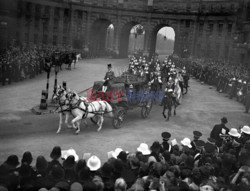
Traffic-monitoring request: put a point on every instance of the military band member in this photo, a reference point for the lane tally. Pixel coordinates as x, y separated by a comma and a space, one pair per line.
108, 77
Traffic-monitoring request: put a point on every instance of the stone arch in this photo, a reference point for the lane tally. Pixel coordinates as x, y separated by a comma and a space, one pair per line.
153, 34
124, 37
98, 32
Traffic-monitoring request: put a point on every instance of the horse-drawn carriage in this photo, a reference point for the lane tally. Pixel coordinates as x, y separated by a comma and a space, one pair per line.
125, 92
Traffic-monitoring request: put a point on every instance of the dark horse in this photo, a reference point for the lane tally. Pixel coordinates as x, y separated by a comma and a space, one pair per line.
168, 102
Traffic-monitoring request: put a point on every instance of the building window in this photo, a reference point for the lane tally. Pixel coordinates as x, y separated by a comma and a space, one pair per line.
57, 12
65, 40
66, 12
36, 23
46, 10
38, 11
56, 24
79, 14
201, 26
45, 39
220, 29
187, 23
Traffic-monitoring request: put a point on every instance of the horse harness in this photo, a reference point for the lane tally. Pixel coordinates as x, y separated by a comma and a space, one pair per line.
86, 111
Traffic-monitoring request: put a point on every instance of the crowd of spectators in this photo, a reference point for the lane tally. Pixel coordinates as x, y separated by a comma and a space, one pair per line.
18, 63
227, 77
220, 162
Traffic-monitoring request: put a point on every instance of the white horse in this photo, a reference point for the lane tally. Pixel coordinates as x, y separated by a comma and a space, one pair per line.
60, 95
81, 109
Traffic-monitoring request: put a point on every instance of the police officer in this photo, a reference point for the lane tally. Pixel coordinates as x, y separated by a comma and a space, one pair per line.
165, 144
197, 135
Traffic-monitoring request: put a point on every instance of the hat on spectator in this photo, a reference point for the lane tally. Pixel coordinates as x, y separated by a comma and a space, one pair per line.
166, 136
116, 152
106, 170
41, 163
199, 144
134, 162
69, 162
197, 134
143, 148
123, 156
84, 173
41, 189
56, 153
76, 186
155, 146
151, 159
211, 141
94, 163
54, 189
245, 129
57, 172
62, 185
186, 142
224, 120
233, 132
12, 160
209, 148
109, 65
27, 157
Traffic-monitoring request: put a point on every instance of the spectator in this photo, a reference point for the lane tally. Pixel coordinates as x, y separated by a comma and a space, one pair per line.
219, 129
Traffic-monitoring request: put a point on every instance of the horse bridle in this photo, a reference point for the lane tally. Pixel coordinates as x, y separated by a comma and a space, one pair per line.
61, 104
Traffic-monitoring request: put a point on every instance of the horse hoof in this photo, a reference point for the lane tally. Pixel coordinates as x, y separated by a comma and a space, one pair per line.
57, 132
98, 130
77, 132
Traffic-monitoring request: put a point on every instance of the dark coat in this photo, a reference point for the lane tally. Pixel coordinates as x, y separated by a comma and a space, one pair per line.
216, 131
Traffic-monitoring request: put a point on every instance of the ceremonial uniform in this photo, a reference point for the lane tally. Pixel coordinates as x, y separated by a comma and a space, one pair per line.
165, 145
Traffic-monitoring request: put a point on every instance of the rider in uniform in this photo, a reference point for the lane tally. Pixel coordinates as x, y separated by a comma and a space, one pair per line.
108, 77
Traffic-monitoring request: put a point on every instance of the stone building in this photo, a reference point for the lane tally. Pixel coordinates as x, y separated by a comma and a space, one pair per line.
216, 29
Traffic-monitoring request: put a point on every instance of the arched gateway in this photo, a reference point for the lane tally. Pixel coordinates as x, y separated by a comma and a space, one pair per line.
206, 28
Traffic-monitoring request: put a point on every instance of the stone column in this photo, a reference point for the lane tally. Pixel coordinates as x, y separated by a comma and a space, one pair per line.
117, 31
88, 27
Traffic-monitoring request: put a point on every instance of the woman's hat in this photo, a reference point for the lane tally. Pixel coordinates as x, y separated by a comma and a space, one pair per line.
233, 132
186, 142
27, 157
56, 153
41, 163
245, 129
69, 162
94, 163
12, 160
143, 148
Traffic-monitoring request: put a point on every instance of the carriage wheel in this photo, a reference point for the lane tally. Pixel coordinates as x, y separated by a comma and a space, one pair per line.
145, 110
94, 120
119, 118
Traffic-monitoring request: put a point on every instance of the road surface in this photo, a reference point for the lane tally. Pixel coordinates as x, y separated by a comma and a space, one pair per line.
21, 130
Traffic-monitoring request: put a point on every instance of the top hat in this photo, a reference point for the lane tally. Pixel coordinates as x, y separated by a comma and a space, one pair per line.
197, 134
56, 153
224, 120
109, 65
166, 136
12, 160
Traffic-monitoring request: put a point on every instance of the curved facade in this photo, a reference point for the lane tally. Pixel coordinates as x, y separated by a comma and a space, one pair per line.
206, 28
